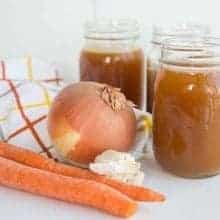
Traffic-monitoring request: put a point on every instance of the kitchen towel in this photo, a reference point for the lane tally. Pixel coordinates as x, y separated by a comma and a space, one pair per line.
27, 88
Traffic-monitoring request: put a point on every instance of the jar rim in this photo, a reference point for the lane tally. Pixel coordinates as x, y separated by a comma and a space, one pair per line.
191, 44
163, 32
188, 52
112, 29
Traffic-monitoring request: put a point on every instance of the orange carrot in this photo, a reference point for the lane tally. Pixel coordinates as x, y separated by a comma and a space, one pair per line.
74, 190
32, 159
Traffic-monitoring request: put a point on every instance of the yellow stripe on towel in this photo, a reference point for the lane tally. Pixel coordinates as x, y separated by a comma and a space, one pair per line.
2, 119
29, 68
47, 97
43, 104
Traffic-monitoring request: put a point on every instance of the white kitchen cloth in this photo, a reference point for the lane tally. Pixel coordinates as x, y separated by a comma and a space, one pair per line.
27, 88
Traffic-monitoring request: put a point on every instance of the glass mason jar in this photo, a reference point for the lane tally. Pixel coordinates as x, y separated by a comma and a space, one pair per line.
186, 113
160, 33
112, 55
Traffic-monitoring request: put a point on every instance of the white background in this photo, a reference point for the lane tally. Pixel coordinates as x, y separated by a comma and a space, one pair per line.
52, 29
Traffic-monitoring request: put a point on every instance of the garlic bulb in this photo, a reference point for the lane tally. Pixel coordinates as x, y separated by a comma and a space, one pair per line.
118, 165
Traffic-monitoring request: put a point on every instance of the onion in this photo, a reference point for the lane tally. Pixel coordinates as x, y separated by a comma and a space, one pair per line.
87, 118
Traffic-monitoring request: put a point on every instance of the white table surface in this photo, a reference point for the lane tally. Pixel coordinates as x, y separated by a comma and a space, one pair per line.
197, 199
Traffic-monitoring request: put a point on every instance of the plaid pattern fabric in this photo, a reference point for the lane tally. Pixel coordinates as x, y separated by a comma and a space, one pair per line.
27, 87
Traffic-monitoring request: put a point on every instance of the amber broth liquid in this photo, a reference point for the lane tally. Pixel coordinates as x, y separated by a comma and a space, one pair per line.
124, 70
186, 116
152, 70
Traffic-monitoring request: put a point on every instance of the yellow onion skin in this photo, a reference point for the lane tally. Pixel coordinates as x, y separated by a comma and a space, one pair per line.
82, 125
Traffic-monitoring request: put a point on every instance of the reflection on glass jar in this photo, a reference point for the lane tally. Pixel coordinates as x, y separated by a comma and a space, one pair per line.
186, 113
112, 55
160, 33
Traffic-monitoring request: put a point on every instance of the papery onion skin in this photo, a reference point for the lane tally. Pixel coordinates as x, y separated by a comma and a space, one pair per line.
82, 125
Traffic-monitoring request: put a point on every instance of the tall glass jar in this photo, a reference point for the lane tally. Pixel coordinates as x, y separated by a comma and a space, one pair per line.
112, 55
160, 33
186, 113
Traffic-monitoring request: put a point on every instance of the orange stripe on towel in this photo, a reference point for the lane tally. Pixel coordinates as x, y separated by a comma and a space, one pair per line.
20, 130
28, 123
57, 80
3, 70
